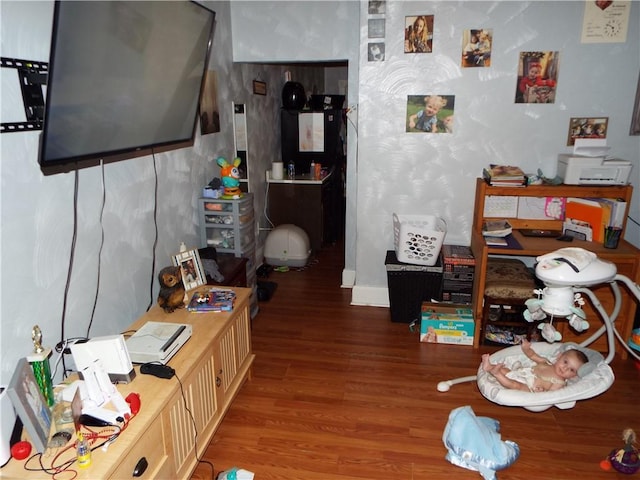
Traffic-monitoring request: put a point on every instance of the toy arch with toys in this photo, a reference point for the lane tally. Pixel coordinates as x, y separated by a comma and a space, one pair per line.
565, 272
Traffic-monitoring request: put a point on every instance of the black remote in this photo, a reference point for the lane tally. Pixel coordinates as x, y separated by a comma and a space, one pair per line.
158, 370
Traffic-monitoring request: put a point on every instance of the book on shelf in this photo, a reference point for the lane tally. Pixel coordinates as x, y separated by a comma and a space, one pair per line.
496, 241
213, 300
457, 255
496, 228
504, 175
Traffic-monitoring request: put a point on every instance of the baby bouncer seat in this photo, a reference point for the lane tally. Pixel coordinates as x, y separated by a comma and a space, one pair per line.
566, 274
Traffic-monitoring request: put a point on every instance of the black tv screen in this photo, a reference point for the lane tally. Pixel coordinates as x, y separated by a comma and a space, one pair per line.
123, 77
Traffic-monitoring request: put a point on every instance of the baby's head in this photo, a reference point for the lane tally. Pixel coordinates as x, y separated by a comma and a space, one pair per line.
568, 363
433, 104
534, 70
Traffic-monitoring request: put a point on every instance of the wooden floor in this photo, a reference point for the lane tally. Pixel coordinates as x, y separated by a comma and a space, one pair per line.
340, 392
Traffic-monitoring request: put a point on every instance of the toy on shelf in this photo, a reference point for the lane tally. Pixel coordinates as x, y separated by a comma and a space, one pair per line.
625, 459
230, 178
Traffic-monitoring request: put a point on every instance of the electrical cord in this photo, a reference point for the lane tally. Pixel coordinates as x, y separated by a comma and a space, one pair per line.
155, 223
195, 428
74, 238
95, 299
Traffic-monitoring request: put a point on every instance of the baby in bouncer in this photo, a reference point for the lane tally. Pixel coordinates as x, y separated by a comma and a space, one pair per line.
543, 376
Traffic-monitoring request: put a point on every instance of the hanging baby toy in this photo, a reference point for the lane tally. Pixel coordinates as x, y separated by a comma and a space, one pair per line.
230, 177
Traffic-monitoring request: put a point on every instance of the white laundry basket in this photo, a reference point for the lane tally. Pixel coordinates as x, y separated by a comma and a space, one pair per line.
418, 238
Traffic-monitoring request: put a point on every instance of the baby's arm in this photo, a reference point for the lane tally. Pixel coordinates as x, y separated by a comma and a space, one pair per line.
412, 120
531, 354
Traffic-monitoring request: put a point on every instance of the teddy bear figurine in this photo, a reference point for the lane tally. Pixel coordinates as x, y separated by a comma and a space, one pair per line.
172, 290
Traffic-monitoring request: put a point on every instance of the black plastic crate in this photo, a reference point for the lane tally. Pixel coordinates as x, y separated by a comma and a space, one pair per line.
409, 286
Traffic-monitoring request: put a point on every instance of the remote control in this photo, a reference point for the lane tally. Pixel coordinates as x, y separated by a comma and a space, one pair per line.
161, 371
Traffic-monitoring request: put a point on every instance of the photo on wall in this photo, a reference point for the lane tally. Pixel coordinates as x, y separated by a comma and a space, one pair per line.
375, 52
537, 77
476, 47
594, 128
430, 113
376, 28
418, 34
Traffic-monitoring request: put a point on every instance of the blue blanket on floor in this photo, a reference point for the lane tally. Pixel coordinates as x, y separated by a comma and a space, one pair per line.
474, 443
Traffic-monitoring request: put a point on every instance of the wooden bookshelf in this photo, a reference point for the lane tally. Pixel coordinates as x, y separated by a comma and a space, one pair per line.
626, 256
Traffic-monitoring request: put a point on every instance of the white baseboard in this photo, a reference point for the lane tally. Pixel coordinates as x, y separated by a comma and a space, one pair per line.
370, 296
348, 278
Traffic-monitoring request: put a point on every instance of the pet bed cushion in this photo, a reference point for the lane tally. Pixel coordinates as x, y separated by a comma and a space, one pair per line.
594, 378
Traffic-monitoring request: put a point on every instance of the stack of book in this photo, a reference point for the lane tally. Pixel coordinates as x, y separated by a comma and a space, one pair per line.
504, 176
214, 300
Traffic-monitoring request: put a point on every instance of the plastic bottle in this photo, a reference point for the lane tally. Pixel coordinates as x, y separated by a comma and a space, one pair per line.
291, 171
83, 452
312, 170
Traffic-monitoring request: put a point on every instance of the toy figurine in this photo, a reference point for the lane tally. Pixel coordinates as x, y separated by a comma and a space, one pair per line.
172, 291
230, 178
625, 459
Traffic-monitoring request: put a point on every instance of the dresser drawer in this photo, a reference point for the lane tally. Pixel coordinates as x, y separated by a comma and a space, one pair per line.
151, 446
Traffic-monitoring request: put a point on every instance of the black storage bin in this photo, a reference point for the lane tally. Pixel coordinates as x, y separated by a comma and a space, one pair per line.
410, 285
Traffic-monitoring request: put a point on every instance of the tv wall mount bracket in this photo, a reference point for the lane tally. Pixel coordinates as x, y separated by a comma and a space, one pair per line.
32, 75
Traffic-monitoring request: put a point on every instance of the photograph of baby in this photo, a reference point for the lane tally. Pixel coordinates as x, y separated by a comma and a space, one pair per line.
418, 34
537, 77
430, 113
476, 47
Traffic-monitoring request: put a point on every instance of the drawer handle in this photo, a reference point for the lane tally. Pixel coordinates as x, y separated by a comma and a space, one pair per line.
140, 467
218, 382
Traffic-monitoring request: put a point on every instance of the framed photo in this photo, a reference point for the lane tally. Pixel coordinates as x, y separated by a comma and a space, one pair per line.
476, 47
376, 28
192, 272
418, 34
587, 127
537, 77
30, 405
259, 88
430, 113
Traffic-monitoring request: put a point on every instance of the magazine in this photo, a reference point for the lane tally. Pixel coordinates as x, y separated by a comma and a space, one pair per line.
214, 300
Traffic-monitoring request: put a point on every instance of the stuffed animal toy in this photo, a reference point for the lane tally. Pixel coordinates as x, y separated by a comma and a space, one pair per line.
230, 178
172, 291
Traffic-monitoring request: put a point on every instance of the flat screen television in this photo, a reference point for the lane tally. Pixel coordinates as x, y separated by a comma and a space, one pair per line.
124, 77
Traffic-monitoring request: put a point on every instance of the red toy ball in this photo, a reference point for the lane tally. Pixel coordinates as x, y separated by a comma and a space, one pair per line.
21, 450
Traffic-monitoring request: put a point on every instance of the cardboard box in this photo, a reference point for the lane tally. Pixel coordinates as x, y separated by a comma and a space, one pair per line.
447, 323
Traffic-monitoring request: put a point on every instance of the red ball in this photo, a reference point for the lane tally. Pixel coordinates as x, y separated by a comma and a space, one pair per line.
605, 465
21, 450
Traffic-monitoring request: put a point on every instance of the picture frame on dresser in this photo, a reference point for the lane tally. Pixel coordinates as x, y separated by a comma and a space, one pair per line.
192, 272
30, 404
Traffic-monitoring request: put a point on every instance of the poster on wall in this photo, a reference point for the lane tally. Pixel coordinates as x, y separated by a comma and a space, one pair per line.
605, 21
587, 128
430, 113
476, 47
418, 34
209, 112
537, 77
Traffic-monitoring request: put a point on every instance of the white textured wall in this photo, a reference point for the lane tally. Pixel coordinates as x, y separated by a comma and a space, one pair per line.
413, 173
